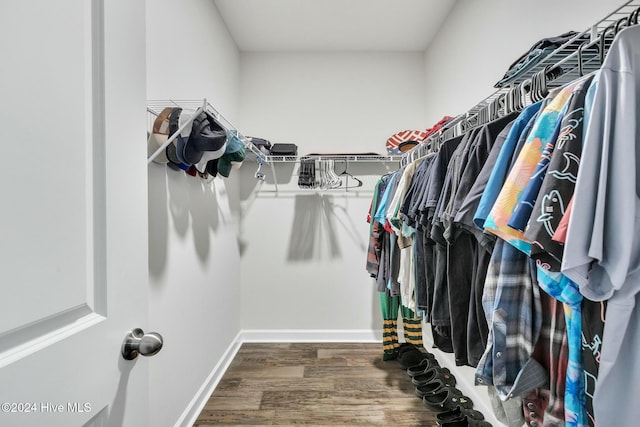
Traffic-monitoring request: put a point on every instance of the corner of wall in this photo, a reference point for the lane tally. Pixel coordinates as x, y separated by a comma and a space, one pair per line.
199, 400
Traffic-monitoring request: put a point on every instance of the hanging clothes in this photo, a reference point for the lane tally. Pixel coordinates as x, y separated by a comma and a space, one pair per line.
516, 240
602, 252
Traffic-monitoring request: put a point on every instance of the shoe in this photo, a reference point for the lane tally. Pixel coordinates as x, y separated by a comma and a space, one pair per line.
405, 347
411, 356
465, 423
458, 423
433, 388
446, 400
459, 414
424, 365
432, 374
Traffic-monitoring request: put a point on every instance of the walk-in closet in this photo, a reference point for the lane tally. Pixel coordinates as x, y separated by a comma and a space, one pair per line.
319, 212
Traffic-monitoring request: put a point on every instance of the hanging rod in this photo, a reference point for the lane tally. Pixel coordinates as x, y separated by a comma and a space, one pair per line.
340, 157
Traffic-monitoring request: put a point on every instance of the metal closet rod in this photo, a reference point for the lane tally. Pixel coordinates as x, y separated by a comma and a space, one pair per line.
340, 157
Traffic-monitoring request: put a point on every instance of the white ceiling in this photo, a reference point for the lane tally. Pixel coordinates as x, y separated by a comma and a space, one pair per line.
333, 25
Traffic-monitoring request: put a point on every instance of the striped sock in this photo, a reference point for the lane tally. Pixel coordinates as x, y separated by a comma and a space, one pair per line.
413, 331
390, 339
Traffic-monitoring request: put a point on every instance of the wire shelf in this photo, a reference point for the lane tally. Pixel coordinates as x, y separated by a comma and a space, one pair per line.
337, 157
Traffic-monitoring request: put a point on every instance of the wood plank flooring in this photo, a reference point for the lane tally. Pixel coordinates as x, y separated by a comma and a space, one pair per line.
324, 384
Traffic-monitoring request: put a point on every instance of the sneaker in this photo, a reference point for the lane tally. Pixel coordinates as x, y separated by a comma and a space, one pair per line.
446, 400
432, 374
458, 414
422, 367
433, 388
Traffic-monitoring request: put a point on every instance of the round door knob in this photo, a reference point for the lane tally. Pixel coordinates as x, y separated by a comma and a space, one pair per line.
137, 342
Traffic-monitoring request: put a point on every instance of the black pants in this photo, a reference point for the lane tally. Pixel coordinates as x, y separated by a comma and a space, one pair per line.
467, 265
422, 256
478, 330
440, 314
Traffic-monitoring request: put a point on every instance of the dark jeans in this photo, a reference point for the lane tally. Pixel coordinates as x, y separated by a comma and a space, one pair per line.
466, 273
478, 330
422, 256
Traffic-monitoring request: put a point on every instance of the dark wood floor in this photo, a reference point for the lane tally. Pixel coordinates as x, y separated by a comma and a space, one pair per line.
314, 384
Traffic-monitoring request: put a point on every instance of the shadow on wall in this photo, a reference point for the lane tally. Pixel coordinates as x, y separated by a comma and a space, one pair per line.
313, 232
158, 220
321, 219
284, 174
190, 203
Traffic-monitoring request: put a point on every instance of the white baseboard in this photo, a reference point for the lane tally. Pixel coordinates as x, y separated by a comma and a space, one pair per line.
311, 335
191, 413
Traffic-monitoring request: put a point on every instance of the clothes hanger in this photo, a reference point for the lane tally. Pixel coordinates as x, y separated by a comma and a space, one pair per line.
307, 173
624, 22
525, 91
539, 85
580, 59
497, 107
633, 17
432, 144
319, 166
359, 183
518, 101
502, 99
602, 46
479, 115
493, 112
486, 116
508, 101
333, 180
542, 84
511, 104
535, 87
615, 27
544, 91
533, 92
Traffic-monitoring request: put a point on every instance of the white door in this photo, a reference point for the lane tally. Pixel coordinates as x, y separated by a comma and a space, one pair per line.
73, 215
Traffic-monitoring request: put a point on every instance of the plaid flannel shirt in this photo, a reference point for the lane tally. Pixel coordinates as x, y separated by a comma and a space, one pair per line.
511, 301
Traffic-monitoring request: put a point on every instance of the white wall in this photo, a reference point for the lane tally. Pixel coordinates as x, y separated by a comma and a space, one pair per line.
193, 253
331, 102
304, 253
481, 39
191, 55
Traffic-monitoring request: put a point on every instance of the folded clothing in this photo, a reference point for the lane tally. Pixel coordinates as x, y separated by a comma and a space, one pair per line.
540, 50
280, 149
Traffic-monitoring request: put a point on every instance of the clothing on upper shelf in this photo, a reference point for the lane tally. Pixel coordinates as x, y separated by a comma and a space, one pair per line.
535, 54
